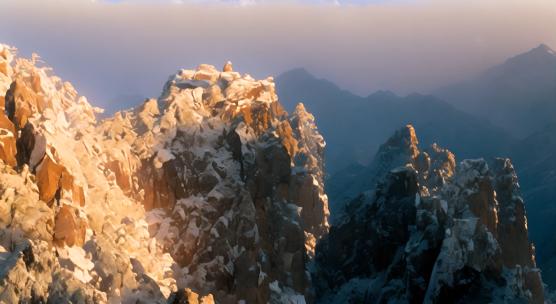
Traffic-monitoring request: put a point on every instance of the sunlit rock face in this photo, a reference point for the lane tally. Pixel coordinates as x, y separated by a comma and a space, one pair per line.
212, 193
209, 193
68, 232
431, 232
233, 183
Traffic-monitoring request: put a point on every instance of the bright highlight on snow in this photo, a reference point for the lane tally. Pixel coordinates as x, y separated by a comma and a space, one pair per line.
226, 185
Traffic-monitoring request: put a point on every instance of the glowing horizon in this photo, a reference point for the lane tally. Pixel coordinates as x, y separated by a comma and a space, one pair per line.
402, 46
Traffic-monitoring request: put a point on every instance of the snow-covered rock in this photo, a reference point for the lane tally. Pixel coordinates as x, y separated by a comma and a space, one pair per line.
209, 193
212, 193
431, 232
234, 184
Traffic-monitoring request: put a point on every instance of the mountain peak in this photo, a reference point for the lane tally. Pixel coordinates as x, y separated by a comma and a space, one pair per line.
541, 53
298, 74
425, 208
104, 193
404, 138
543, 48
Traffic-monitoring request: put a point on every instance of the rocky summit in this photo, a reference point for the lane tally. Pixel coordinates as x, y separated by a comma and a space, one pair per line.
431, 231
213, 193
209, 193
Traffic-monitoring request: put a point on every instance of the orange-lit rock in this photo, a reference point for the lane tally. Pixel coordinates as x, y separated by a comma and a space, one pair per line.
67, 184
228, 67
36, 82
4, 67
7, 148
209, 75
285, 133
5, 53
257, 116
7, 140
78, 195
123, 179
21, 102
54, 180
49, 178
69, 228
61, 157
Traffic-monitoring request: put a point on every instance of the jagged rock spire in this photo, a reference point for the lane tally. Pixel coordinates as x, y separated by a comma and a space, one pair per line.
429, 231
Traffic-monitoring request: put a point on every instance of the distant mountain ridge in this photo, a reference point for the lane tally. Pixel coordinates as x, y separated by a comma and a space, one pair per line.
518, 95
355, 126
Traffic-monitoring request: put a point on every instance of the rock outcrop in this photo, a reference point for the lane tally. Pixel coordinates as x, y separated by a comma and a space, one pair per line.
234, 184
68, 232
210, 193
431, 232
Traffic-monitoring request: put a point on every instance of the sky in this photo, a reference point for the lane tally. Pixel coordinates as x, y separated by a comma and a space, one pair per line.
252, 2
118, 51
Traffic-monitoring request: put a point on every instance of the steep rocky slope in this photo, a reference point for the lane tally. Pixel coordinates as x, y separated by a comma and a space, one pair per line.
211, 192
431, 231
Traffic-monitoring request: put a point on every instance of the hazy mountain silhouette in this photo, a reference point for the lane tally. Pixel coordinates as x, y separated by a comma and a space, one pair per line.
355, 126
518, 95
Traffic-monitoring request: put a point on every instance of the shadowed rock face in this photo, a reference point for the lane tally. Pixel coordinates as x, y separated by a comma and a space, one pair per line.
431, 232
435, 164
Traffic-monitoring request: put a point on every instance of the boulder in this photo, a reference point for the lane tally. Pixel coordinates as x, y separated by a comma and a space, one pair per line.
228, 67
49, 180
21, 102
69, 228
